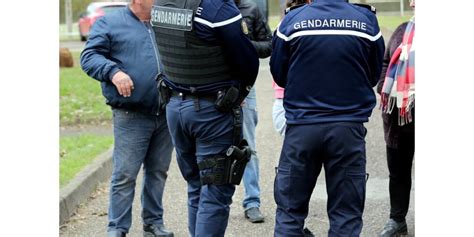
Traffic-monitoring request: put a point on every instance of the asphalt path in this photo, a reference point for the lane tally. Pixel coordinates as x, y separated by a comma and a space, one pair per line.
91, 217
73, 45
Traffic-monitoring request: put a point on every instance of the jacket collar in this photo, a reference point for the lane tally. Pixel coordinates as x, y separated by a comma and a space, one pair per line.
129, 12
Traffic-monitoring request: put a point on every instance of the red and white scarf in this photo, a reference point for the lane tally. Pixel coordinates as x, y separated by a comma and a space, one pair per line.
399, 86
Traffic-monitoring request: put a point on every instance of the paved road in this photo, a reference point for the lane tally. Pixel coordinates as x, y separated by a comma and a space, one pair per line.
91, 219
73, 45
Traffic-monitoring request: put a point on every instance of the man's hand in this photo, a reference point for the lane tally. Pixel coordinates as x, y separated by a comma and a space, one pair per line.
123, 83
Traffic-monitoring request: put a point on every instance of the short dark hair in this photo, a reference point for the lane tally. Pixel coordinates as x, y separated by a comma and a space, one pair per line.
291, 3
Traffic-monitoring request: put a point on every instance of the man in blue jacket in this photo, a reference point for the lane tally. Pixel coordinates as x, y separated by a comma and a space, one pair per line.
122, 54
328, 56
209, 67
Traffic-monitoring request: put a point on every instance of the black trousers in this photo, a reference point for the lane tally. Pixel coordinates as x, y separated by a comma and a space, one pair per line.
399, 162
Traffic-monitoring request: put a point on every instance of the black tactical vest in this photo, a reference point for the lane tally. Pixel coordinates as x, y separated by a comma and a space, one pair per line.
186, 58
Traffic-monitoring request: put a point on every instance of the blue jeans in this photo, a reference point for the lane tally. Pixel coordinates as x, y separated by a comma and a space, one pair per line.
198, 133
139, 139
251, 174
340, 148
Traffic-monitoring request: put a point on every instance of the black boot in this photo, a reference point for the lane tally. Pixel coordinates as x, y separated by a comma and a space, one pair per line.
394, 229
156, 231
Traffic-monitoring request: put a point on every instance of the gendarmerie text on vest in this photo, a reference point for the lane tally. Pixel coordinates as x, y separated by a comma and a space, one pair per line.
160, 15
340, 23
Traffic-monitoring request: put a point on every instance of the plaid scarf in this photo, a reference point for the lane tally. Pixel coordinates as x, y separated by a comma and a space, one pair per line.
399, 85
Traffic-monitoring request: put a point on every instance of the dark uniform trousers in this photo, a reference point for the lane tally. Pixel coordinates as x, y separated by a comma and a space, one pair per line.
340, 147
198, 132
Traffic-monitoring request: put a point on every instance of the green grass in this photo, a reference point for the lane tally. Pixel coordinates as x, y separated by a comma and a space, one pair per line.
392, 22
81, 100
385, 21
81, 103
78, 151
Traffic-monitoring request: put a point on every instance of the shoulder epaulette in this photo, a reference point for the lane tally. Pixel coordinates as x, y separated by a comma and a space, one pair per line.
369, 7
293, 7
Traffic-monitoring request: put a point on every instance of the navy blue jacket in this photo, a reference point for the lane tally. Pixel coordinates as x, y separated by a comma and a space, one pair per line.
328, 56
220, 22
120, 41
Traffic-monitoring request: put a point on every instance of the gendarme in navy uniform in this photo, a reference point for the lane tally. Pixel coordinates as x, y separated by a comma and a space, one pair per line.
328, 56
209, 67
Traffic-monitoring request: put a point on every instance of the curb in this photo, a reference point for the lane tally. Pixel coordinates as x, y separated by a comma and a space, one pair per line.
85, 182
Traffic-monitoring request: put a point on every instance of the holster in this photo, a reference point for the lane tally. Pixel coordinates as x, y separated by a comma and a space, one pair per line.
228, 168
227, 100
164, 93
239, 157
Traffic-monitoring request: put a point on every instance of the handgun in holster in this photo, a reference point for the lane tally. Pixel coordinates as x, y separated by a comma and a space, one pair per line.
227, 100
227, 168
239, 156
164, 93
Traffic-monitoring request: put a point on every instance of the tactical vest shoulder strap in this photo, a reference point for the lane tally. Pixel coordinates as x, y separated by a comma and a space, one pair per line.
193, 4
182, 4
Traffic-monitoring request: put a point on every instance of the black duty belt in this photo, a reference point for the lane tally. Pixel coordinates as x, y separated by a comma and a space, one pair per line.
184, 96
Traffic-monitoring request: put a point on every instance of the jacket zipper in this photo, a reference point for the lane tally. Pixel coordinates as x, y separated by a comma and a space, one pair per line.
153, 42
154, 49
